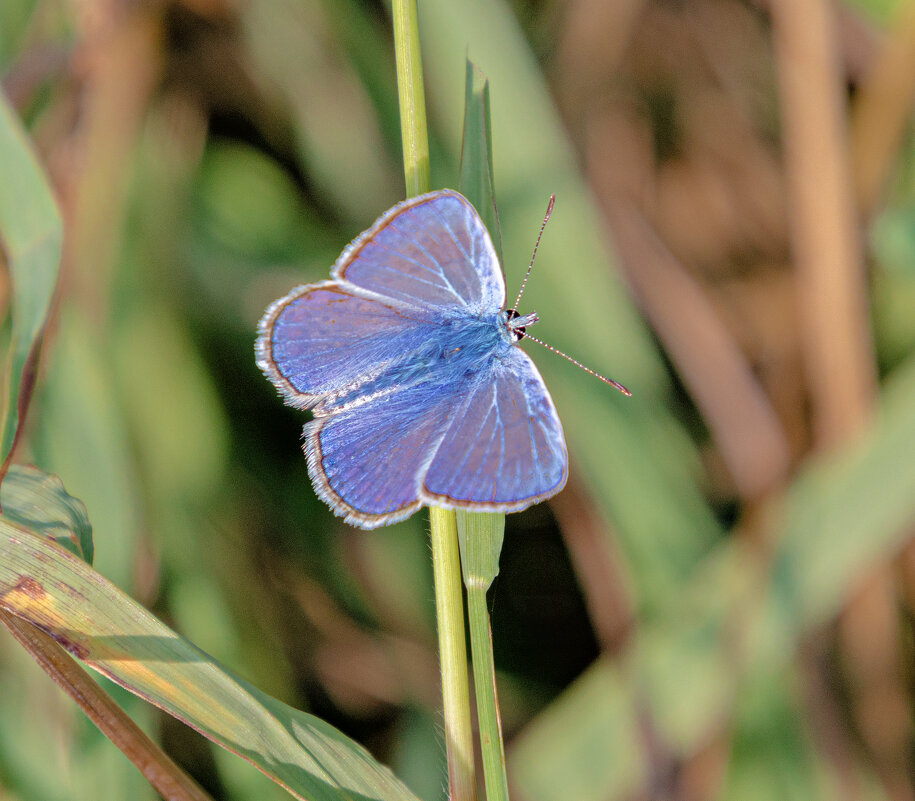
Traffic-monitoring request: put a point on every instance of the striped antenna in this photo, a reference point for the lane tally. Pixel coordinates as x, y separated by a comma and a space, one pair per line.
603, 378
518, 325
546, 217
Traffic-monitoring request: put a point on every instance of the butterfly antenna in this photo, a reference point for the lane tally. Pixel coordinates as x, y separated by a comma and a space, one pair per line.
549, 211
521, 325
577, 363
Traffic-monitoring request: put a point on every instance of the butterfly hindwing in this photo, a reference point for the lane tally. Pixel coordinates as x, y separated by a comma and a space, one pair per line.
368, 461
488, 442
504, 448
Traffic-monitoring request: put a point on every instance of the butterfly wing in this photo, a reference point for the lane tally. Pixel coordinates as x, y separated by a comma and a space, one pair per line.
490, 442
432, 251
504, 449
367, 462
322, 342
426, 258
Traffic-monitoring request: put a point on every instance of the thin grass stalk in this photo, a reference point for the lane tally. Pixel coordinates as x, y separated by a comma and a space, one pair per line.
446, 565
411, 93
484, 685
449, 612
480, 536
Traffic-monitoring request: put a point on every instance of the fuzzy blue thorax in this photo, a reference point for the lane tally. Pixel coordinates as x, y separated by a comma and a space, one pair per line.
465, 345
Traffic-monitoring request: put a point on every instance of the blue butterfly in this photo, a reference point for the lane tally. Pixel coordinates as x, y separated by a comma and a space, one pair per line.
411, 366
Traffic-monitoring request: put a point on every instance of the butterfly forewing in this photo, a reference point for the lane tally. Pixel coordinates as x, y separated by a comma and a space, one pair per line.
323, 341
431, 251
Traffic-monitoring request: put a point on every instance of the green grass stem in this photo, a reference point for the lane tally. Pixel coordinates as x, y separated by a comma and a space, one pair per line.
446, 562
410, 91
449, 612
480, 537
481, 534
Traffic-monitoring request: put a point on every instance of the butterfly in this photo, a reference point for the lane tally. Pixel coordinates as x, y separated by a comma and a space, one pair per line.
411, 366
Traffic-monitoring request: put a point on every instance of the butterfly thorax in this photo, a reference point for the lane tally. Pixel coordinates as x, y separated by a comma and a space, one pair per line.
466, 345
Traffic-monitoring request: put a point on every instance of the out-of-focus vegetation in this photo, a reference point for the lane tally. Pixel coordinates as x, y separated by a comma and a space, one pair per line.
720, 605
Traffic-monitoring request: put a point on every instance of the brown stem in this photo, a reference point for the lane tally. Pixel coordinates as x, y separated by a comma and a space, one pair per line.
169, 780
826, 240
882, 109
838, 350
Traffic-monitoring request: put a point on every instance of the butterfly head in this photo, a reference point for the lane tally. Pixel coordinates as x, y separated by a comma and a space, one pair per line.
517, 324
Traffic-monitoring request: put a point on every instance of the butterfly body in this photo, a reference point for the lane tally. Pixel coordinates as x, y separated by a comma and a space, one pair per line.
458, 348
411, 366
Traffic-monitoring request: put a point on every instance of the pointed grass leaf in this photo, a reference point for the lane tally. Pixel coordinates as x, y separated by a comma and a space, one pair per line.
112, 634
477, 182
483, 532
481, 535
38, 501
31, 233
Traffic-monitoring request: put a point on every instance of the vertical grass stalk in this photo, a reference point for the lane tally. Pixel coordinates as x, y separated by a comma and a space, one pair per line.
449, 612
480, 537
446, 564
410, 91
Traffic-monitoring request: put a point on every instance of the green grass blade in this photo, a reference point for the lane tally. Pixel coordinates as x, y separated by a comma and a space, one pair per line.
478, 186
32, 235
477, 182
481, 534
452, 647
412, 98
481, 537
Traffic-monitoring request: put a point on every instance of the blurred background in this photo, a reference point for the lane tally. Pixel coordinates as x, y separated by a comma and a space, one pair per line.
721, 603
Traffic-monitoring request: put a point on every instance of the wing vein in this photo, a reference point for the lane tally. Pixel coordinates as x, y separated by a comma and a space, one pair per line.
441, 269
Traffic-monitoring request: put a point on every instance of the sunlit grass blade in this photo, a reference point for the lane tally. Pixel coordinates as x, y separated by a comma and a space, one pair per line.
112, 634
410, 89
31, 233
162, 772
